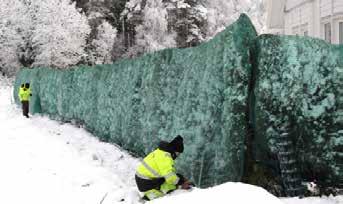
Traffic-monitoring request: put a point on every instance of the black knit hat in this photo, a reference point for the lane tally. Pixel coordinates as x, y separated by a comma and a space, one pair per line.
177, 144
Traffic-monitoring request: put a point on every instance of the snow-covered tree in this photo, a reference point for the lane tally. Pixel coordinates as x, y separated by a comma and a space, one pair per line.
193, 21
13, 26
60, 33
153, 34
103, 44
188, 19
222, 13
55, 33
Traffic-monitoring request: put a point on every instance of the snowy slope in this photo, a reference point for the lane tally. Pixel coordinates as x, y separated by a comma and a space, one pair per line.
43, 161
47, 162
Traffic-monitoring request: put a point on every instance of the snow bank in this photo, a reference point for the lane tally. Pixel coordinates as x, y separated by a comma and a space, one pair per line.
314, 200
222, 194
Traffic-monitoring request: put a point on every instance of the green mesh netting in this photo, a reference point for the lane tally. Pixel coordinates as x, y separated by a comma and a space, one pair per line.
200, 93
299, 113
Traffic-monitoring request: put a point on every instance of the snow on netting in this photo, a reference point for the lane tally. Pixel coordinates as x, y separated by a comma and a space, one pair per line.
200, 93
299, 109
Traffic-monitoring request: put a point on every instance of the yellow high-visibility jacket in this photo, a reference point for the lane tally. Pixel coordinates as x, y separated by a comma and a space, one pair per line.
158, 164
24, 94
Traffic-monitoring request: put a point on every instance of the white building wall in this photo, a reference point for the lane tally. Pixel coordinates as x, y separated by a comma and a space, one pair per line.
303, 17
325, 8
338, 6
275, 17
288, 23
336, 19
294, 3
316, 19
298, 18
306, 19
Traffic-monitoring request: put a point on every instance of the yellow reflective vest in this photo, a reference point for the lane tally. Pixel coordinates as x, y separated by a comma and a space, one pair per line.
158, 164
24, 94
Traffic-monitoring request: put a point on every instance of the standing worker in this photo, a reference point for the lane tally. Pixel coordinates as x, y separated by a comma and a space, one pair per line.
24, 96
156, 175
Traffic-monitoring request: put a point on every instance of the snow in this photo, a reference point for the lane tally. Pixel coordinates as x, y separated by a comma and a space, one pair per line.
44, 161
47, 162
315, 200
225, 193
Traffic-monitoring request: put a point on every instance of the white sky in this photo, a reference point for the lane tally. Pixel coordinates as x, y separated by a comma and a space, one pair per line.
45, 162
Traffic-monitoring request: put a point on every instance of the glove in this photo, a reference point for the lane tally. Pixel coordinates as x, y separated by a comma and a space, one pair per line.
181, 179
187, 185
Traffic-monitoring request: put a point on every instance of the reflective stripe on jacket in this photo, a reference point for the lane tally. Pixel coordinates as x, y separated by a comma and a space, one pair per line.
24, 94
158, 164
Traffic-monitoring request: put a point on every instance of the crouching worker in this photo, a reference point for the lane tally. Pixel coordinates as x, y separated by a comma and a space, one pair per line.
156, 175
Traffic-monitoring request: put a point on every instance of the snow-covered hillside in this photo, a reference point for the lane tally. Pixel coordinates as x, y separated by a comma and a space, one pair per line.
43, 161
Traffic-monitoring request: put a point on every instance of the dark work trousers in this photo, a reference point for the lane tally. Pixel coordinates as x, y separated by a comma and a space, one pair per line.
145, 184
25, 106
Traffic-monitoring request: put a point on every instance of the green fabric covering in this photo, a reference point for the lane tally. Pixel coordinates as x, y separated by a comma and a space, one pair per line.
200, 93
299, 113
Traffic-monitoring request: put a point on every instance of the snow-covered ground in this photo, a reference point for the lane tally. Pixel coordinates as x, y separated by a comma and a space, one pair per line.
43, 161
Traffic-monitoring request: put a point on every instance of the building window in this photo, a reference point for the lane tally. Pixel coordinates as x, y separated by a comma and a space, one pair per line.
340, 33
306, 33
327, 32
